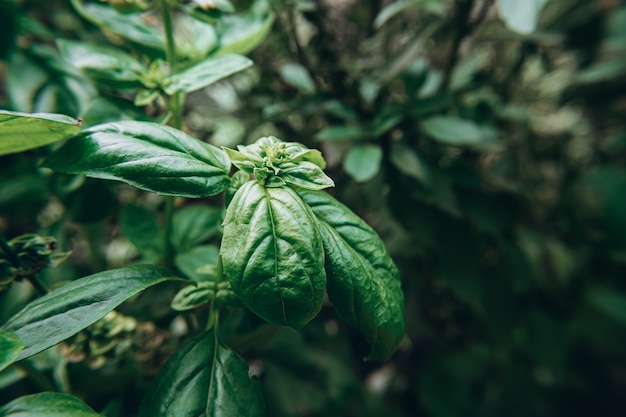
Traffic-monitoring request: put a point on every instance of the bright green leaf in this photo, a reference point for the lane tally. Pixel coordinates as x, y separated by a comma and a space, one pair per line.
272, 254
47, 404
298, 77
23, 131
102, 63
71, 308
10, 347
363, 281
363, 162
241, 33
194, 224
204, 379
307, 175
521, 16
460, 132
146, 155
205, 73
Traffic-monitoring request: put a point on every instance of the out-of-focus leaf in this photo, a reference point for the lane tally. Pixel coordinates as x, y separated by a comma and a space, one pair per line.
10, 347
194, 224
205, 73
106, 64
47, 404
460, 132
141, 227
241, 33
611, 303
146, 155
363, 162
191, 262
393, 9
23, 131
410, 163
204, 379
521, 16
73, 307
298, 77
341, 133
193, 296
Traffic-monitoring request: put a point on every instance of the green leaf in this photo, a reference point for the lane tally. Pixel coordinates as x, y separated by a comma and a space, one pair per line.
24, 131
272, 254
47, 404
409, 162
363, 281
611, 303
10, 347
146, 155
141, 227
363, 162
307, 175
298, 77
392, 9
102, 63
195, 224
341, 133
240, 34
521, 16
129, 26
461, 132
191, 261
205, 73
204, 379
193, 296
71, 308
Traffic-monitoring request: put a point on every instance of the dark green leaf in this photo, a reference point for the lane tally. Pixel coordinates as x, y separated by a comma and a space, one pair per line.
341, 133
204, 379
73, 307
47, 404
141, 227
23, 131
363, 162
392, 9
205, 73
363, 281
195, 224
611, 303
149, 156
461, 132
103, 63
10, 347
410, 163
272, 254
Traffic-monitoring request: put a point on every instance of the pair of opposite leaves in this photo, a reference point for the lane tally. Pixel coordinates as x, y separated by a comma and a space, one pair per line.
283, 246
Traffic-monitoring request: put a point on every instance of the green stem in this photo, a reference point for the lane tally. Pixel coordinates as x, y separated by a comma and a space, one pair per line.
167, 243
168, 28
38, 284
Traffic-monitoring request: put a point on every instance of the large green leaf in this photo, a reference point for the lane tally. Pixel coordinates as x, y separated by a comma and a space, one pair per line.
194, 224
23, 131
103, 63
47, 404
521, 16
10, 347
205, 73
75, 306
204, 379
141, 227
272, 254
149, 156
241, 33
363, 281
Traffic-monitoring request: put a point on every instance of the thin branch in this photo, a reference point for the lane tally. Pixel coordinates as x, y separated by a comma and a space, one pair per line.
464, 9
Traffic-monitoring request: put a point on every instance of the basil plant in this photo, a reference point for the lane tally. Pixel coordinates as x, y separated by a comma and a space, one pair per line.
286, 243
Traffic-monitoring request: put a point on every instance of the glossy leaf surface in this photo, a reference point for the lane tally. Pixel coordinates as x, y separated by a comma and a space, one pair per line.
146, 155
204, 379
206, 73
10, 347
47, 404
272, 254
71, 308
363, 281
24, 131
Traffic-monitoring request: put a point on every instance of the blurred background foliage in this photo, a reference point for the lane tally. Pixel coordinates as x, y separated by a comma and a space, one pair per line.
484, 140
